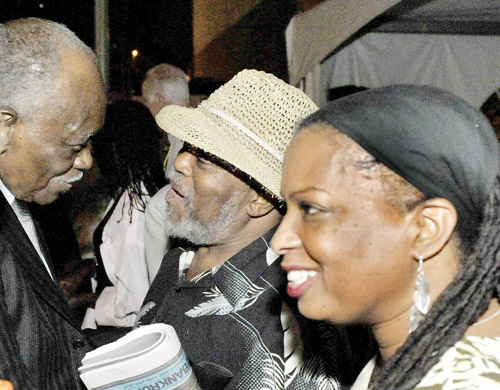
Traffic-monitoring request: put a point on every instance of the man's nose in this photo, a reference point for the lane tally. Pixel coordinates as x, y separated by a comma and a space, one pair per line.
83, 159
183, 163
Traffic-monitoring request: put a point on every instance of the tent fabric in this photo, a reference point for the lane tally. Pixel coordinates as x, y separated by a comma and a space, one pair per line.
468, 66
312, 35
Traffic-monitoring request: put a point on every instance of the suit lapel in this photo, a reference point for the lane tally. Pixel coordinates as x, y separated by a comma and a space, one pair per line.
28, 259
43, 246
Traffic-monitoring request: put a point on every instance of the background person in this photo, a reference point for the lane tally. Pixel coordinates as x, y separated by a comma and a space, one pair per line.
127, 152
393, 221
163, 85
52, 101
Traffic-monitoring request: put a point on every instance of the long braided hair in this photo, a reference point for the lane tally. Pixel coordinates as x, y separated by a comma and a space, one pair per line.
458, 307
127, 151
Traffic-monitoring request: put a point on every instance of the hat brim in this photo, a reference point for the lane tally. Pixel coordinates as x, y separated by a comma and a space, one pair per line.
189, 125
196, 127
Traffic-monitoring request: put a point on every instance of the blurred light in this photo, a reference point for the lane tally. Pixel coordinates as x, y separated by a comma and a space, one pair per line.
41, 5
135, 53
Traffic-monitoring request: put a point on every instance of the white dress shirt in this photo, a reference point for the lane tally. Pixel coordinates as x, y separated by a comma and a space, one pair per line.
23, 214
124, 257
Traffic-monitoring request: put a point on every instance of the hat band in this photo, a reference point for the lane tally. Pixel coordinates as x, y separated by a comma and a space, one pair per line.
246, 131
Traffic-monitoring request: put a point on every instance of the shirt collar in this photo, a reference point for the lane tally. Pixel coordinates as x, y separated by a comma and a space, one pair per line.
6, 193
240, 274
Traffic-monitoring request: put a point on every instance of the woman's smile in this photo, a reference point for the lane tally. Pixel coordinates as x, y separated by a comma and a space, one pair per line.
299, 281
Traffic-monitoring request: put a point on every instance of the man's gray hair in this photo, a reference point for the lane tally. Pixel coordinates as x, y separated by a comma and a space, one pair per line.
169, 81
30, 60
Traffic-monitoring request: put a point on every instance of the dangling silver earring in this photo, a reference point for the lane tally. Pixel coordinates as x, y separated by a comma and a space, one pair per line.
421, 298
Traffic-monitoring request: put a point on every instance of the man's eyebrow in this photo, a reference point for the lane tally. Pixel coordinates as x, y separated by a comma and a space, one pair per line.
199, 153
80, 141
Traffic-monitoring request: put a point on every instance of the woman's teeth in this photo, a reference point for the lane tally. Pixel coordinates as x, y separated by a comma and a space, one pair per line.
299, 277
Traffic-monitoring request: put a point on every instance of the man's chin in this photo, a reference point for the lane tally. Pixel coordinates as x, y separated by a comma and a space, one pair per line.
175, 215
45, 197
183, 231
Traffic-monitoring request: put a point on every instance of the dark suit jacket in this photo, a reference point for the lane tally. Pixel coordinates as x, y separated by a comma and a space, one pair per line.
41, 344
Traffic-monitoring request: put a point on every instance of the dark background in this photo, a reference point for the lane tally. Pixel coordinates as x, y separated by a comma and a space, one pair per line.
160, 29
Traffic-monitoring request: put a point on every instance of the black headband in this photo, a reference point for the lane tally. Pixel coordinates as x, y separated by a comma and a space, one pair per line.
435, 140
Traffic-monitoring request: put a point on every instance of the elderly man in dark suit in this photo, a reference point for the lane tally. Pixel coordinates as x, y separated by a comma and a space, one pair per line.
52, 100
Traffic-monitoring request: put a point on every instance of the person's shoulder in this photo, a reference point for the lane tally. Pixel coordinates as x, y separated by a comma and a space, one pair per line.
167, 274
487, 347
476, 350
472, 363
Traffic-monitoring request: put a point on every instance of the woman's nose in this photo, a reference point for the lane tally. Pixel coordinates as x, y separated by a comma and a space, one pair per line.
286, 238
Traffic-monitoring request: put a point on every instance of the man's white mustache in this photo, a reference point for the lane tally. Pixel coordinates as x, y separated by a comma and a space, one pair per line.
75, 178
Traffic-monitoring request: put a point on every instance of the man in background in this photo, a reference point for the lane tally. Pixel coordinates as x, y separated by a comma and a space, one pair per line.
163, 85
52, 100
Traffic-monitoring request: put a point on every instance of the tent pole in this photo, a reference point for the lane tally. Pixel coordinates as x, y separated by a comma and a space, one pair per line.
102, 37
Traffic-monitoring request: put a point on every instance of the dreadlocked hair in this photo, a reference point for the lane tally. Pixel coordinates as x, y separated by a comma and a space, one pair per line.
127, 151
458, 307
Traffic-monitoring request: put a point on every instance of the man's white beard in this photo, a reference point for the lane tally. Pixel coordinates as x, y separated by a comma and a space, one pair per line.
203, 233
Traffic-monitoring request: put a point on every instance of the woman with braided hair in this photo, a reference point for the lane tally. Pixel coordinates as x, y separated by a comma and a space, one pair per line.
393, 220
127, 152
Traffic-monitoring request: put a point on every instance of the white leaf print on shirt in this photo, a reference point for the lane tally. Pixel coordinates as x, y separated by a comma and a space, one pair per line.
274, 377
219, 305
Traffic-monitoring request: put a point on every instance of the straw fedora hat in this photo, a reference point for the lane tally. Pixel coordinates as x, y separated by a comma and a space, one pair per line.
248, 123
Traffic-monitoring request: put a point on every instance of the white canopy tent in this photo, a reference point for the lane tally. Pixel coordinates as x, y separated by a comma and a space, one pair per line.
461, 55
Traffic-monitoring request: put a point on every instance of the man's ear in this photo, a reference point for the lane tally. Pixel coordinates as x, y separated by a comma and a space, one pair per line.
8, 117
160, 99
259, 206
435, 221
